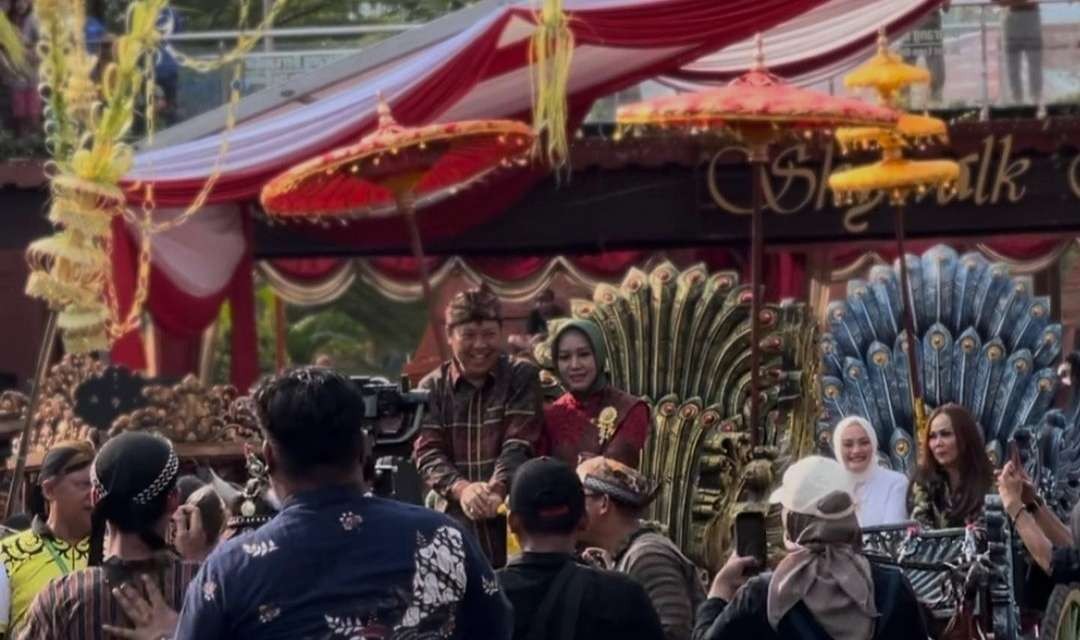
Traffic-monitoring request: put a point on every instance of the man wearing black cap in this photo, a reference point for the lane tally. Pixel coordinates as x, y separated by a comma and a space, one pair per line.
56, 543
134, 492
484, 420
554, 597
334, 562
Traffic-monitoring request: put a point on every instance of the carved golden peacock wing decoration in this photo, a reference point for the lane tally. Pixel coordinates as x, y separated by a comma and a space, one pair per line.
681, 340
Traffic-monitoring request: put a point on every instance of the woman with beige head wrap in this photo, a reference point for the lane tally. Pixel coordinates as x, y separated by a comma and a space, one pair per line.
824, 588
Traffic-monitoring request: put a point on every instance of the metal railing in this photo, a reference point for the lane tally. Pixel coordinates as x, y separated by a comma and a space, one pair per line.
982, 55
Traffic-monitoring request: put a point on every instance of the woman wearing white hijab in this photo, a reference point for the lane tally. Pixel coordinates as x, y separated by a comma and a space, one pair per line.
880, 494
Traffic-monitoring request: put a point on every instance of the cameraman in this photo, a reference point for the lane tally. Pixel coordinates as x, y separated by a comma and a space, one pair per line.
483, 422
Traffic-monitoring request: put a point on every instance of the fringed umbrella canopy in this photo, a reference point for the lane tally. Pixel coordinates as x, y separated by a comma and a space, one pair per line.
428, 163
759, 108
394, 171
896, 176
757, 105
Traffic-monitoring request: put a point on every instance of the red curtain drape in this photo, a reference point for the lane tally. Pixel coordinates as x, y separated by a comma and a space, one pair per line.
180, 318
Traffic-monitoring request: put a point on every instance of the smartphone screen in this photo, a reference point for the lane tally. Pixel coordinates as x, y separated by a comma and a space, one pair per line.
750, 536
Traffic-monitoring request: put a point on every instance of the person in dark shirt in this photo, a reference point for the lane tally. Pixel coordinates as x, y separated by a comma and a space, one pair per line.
823, 589
334, 562
553, 596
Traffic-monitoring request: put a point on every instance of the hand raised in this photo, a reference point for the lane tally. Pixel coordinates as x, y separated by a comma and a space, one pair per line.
151, 616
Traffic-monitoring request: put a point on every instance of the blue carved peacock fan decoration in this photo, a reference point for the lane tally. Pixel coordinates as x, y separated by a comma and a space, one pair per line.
681, 340
986, 343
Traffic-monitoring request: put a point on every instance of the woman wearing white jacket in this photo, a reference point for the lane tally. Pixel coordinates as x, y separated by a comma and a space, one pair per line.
880, 494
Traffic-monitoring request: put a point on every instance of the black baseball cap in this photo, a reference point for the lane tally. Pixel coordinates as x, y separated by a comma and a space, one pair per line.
547, 495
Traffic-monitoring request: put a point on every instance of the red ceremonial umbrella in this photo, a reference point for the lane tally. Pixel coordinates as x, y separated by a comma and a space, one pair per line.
396, 170
760, 108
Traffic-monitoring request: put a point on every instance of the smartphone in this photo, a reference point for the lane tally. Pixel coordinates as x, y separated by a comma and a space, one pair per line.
1014, 456
750, 536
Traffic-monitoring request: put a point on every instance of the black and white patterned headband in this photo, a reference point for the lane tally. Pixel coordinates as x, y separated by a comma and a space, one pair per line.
162, 482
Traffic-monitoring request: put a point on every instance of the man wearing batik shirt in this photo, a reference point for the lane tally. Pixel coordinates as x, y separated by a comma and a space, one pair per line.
334, 562
484, 420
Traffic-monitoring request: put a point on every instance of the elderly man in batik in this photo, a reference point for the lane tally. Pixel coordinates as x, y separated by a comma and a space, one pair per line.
484, 420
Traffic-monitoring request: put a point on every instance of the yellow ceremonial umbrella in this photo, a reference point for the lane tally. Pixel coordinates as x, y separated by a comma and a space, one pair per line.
894, 175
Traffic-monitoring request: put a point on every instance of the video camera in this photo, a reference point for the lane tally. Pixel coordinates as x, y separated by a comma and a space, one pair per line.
393, 414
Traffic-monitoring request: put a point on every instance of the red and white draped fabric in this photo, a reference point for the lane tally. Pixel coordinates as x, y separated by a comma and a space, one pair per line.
480, 72
811, 48
315, 281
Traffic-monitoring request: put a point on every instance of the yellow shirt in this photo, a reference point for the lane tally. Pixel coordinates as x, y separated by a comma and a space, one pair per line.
31, 560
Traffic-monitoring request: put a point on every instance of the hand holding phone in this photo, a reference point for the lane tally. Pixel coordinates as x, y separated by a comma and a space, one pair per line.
750, 537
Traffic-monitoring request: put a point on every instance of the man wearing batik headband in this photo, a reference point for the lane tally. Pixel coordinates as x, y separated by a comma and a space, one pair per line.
484, 420
56, 543
134, 492
616, 496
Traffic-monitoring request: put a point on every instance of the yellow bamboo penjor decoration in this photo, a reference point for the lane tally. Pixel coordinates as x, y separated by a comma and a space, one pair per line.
895, 176
87, 123
550, 53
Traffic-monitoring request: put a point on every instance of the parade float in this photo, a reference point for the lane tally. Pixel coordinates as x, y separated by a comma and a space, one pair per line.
654, 229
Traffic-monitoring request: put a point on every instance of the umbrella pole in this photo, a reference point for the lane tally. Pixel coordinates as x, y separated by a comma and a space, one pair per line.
48, 342
757, 241
407, 206
908, 317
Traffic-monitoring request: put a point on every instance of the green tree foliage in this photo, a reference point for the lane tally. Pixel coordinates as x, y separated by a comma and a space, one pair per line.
363, 332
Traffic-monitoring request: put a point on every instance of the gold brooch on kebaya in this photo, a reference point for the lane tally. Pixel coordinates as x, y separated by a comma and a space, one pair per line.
605, 424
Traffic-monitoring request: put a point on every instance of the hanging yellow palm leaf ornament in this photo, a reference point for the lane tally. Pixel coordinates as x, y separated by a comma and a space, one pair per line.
87, 123
12, 51
550, 54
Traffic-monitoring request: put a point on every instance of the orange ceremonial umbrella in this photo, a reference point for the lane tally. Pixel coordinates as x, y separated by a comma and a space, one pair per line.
759, 108
394, 171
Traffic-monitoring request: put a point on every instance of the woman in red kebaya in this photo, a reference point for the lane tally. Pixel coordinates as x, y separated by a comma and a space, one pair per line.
592, 417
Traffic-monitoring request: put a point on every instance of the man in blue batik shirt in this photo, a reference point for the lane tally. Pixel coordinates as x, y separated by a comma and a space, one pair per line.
335, 563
